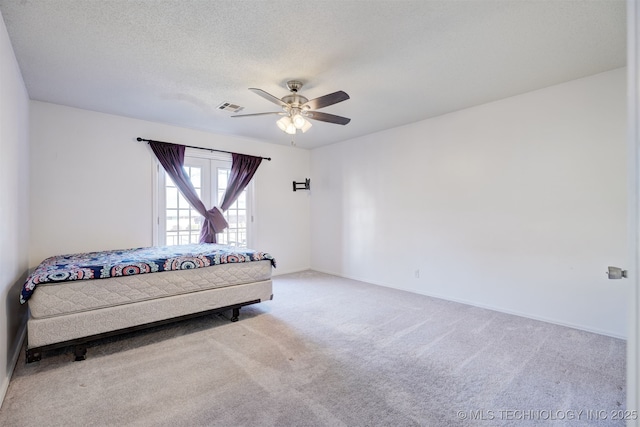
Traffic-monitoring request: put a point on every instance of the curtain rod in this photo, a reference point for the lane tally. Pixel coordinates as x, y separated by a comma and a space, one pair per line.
198, 148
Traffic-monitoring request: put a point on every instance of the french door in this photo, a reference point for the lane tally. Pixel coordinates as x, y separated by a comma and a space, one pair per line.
179, 224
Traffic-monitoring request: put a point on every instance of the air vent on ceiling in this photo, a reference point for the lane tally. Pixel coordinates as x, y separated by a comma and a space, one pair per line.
227, 106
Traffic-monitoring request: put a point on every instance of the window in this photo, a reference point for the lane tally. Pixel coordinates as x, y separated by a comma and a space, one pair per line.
179, 224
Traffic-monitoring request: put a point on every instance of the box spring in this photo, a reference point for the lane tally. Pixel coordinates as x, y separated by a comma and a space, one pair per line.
67, 312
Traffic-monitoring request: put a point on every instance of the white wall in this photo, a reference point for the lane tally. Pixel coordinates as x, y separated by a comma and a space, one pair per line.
91, 185
14, 206
518, 205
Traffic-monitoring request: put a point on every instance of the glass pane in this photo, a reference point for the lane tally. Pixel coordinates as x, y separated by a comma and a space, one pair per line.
172, 197
195, 221
182, 202
196, 179
231, 239
232, 220
172, 238
172, 220
242, 200
222, 177
183, 220
168, 180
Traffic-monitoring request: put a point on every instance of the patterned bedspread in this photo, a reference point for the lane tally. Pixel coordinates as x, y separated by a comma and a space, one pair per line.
100, 265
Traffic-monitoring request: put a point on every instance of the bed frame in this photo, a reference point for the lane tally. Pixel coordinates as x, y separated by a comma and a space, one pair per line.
78, 329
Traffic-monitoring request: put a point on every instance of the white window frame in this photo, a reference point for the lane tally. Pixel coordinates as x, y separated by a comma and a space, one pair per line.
209, 162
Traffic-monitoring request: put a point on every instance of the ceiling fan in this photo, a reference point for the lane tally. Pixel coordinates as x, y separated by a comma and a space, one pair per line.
296, 109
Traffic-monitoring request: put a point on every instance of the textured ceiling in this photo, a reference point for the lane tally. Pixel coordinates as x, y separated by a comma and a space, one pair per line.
400, 61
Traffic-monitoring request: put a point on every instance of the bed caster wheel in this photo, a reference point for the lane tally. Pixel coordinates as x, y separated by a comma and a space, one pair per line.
33, 356
235, 314
80, 352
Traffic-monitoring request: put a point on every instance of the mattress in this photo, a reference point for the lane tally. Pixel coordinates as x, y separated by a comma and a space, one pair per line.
65, 298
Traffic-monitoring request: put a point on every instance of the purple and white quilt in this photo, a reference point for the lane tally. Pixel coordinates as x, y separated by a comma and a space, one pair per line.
127, 262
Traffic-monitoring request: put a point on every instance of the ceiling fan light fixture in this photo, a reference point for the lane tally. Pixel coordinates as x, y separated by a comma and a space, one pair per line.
291, 125
284, 123
306, 127
298, 121
291, 129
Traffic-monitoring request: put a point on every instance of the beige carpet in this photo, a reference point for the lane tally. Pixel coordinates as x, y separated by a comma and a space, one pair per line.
331, 352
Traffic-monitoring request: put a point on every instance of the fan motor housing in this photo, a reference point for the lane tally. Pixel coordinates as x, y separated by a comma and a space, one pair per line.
295, 100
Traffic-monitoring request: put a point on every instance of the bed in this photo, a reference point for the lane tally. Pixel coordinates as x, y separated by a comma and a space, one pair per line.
74, 299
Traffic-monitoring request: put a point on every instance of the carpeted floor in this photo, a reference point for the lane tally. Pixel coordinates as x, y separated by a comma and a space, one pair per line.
332, 352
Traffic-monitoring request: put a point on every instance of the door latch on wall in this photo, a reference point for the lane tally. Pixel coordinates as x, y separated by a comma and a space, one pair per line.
616, 273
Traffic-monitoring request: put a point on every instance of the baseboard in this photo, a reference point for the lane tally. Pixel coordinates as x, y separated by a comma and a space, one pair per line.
14, 360
479, 305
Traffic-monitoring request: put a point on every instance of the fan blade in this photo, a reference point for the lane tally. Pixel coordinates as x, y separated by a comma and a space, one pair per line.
325, 101
282, 113
267, 96
324, 117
